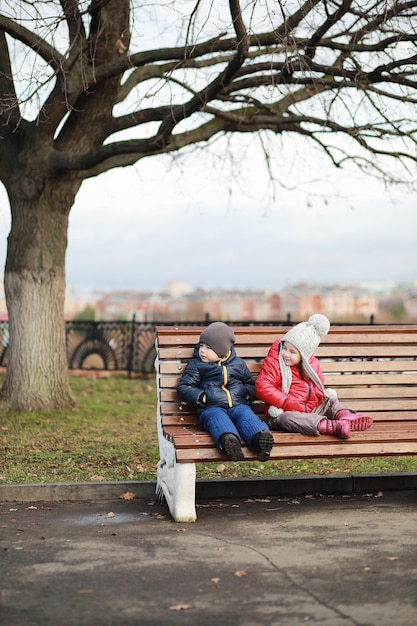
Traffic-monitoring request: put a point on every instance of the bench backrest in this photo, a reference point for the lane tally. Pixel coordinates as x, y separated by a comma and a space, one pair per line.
373, 368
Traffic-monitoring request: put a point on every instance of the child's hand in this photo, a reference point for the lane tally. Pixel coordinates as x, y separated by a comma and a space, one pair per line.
273, 411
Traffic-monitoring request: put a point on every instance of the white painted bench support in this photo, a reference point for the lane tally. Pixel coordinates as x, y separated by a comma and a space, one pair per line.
175, 481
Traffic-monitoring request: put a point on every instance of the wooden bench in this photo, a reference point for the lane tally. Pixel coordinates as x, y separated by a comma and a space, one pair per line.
373, 369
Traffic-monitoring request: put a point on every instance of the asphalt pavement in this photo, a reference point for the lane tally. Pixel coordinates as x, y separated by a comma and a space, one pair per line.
326, 559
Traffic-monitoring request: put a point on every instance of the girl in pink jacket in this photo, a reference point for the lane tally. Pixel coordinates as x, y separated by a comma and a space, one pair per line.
291, 383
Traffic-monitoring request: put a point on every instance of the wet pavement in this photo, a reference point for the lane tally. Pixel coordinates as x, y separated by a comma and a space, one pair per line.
318, 559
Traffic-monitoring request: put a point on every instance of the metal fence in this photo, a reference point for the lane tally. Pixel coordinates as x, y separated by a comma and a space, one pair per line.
117, 346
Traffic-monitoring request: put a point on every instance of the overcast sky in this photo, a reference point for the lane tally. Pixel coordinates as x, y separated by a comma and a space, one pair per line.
143, 227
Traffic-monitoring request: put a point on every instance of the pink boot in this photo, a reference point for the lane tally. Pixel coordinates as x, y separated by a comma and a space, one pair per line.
340, 428
356, 421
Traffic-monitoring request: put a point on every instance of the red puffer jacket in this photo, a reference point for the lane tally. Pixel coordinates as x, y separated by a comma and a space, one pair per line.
303, 395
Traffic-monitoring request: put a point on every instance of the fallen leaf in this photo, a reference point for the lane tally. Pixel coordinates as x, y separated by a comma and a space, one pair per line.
180, 607
111, 514
31, 508
221, 468
127, 495
392, 558
241, 573
215, 580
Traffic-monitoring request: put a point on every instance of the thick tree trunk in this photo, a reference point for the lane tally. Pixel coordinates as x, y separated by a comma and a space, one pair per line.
37, 372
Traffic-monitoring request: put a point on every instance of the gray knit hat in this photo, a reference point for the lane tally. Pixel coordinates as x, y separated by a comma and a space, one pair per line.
219, 336
306, 337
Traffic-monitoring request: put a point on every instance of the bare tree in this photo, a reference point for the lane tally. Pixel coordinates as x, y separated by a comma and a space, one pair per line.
79, 96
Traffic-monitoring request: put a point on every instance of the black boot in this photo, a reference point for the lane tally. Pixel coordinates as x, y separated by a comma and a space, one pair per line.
230, 445
263, 443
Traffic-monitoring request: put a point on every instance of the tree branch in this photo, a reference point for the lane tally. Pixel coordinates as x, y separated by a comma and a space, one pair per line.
75, 24
33, 41
9, 104
321, 58
196, 103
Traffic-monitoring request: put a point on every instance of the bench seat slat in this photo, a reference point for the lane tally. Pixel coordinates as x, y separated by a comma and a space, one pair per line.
253, 335
336, 351
371, 379
172, 370
208, 455
384, 365
364, 405
392, 395
360, 406
361, 389
193, 436
333, 380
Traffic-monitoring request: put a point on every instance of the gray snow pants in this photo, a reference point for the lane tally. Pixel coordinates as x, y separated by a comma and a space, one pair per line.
306, 423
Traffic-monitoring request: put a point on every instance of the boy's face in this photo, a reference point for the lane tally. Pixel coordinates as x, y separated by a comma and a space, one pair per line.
290, 354
207, 355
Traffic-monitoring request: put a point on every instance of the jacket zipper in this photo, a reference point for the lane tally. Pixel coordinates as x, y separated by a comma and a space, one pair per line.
225, 381
309, 387
308, 396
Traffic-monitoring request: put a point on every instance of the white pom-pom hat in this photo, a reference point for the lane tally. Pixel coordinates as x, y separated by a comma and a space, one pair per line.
306, 337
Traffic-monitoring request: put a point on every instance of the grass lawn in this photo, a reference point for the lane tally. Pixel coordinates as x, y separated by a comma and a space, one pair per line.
111, 435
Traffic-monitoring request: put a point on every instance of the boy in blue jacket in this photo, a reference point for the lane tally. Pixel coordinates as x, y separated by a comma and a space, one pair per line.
219, 384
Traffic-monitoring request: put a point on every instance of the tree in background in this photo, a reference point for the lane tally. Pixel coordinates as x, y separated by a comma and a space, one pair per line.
80, 95
87, 314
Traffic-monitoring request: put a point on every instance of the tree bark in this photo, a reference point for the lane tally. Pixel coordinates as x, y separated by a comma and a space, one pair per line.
37, 372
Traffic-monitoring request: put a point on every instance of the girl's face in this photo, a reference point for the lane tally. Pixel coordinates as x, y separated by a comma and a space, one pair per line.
290, 354
207, 355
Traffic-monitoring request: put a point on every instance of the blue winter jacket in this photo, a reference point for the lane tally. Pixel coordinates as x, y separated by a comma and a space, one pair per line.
225, 383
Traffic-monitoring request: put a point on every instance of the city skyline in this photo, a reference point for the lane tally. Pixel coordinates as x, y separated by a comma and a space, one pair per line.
384, 301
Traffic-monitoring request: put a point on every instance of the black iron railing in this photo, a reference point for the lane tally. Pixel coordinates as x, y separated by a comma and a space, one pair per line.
126, 346
117, 346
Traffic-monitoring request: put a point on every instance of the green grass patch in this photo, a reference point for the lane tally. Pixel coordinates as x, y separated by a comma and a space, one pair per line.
111, 435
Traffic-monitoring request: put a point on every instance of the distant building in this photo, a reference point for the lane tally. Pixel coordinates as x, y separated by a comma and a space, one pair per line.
341, 303
178, 288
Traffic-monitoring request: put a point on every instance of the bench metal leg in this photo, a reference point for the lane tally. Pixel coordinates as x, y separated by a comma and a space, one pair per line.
176, 482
